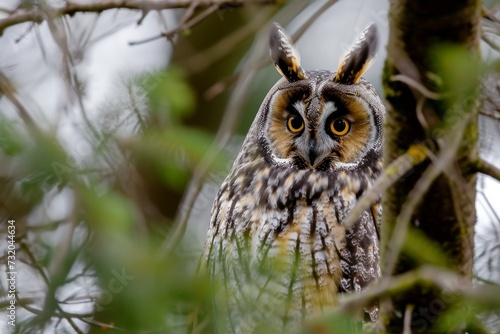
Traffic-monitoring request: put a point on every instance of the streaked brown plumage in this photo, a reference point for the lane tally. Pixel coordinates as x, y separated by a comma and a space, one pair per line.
276, 240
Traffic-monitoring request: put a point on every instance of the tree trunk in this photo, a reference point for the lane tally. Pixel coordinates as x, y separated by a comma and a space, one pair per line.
446, 214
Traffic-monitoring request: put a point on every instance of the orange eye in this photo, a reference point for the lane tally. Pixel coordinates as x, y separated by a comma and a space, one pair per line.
295, 124
340, 126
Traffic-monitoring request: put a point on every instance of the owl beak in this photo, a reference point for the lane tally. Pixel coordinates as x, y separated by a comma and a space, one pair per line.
313, 154
312, 157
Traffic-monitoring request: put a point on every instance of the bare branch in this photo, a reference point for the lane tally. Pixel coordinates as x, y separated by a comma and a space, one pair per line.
102, 325
486, 168
71, 8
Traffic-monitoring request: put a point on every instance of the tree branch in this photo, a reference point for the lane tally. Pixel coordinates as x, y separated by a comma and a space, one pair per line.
486, 168
397, 168
71, 8
448, 282
490, 115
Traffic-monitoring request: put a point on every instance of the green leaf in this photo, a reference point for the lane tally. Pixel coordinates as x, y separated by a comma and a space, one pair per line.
174, 153
333, 322
459, 68
423, 250
143, 289
12, 141
170, 95
109, 212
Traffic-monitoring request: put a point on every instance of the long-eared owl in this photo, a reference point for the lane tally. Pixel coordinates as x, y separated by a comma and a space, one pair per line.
276, 240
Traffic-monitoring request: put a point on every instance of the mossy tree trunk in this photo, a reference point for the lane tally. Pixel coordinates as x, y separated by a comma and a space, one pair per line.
446, 213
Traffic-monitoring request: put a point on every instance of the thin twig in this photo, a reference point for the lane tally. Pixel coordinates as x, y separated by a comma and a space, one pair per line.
489, 13
24, 34
486, 281
10, 92
60, 36
72, 80
416, 85
73, 325
34, 262
102, 325
490, 42
7, 11
59, 311
189, 11
311, 19
490, 115
21, 301
407, 319
135, 107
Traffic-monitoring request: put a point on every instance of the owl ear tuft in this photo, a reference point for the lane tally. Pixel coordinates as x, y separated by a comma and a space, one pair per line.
359, 58
285, 58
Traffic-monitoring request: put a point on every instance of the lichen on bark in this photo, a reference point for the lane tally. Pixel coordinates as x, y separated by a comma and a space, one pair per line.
446, 214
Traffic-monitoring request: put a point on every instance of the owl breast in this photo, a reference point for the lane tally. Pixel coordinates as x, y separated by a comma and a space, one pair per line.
277, 233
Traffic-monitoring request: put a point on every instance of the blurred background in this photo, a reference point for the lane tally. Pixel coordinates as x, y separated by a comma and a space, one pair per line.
116, 130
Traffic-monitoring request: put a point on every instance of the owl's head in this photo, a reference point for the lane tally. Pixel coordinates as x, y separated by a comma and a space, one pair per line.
321, 120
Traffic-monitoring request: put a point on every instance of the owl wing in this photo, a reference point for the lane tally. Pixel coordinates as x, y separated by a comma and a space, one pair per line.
361, 256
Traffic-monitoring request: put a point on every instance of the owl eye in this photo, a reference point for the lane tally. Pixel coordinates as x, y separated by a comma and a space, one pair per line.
340, 126
295, 124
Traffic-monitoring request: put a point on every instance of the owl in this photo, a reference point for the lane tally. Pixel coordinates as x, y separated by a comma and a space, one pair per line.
276, 242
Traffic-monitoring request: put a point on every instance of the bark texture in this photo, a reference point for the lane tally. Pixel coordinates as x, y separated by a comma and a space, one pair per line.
446, 214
